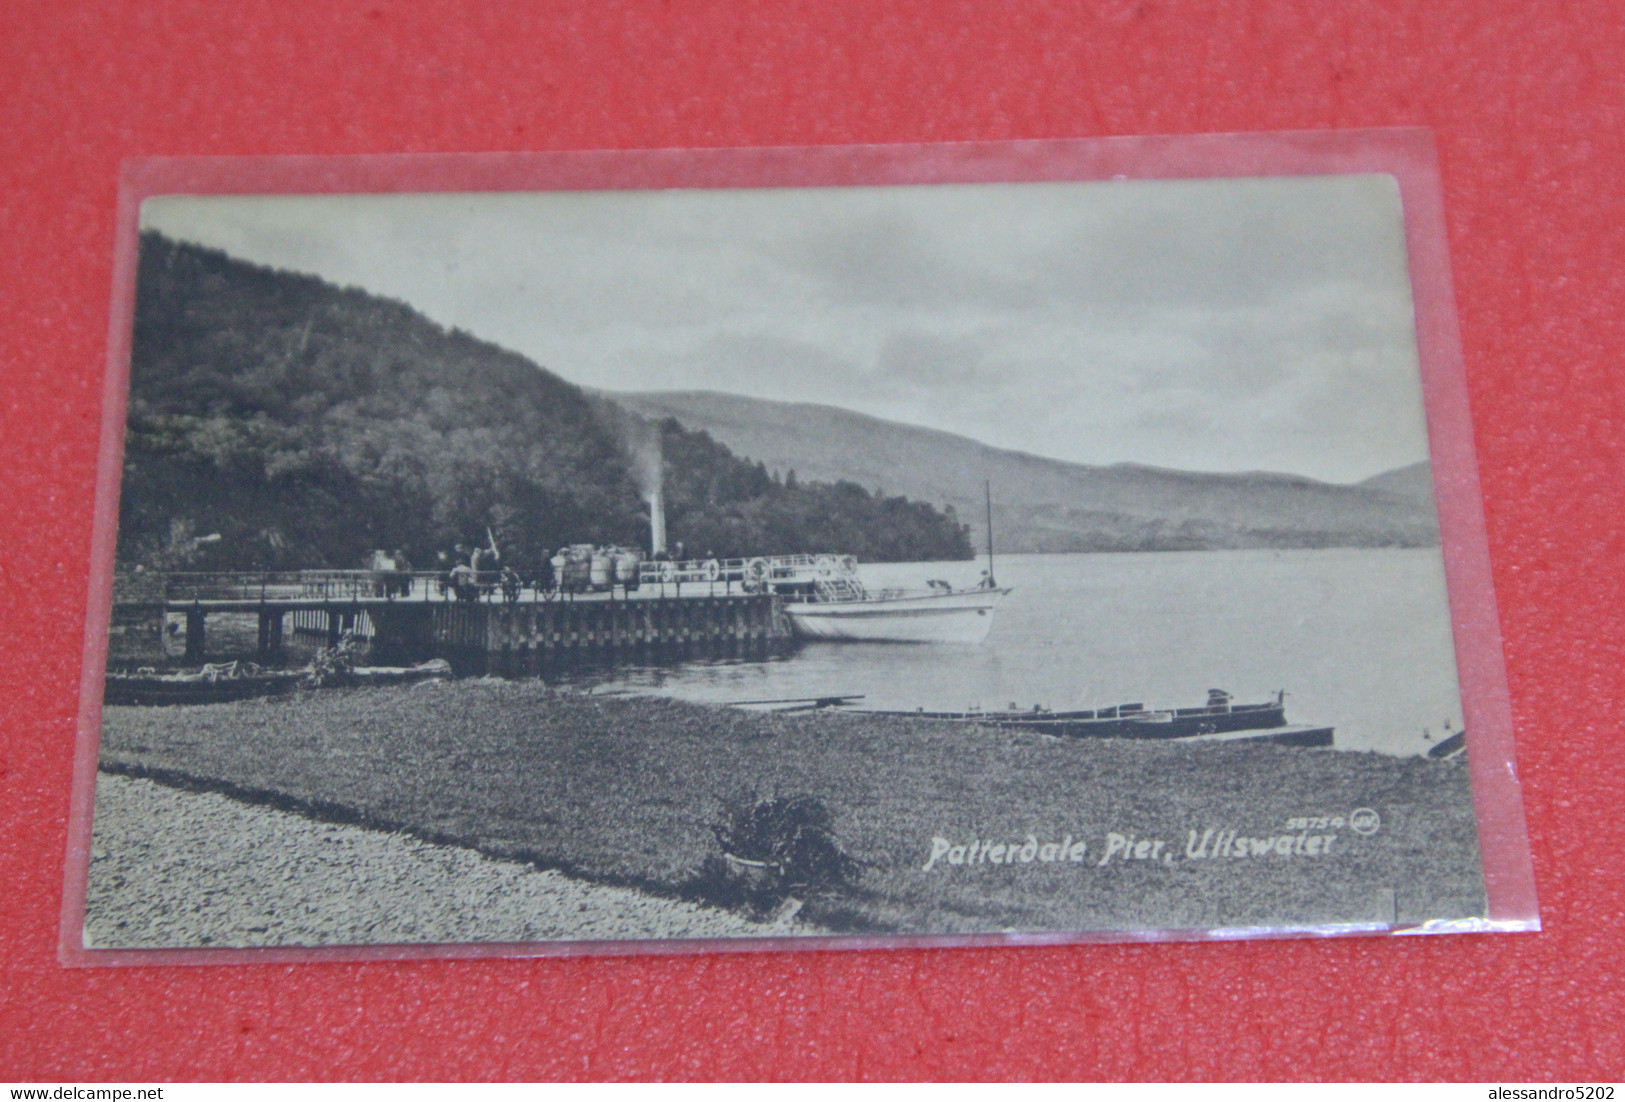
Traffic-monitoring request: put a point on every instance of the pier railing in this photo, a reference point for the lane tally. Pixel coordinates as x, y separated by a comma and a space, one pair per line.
788, 575
272, 587
751, 575
300, 585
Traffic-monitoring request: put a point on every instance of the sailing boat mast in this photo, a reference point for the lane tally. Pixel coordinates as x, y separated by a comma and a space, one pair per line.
987, 488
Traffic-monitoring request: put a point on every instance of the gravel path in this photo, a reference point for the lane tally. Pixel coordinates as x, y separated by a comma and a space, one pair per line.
173, 869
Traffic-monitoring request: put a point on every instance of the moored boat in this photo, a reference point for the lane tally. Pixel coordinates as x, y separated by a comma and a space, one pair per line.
838, 607
219, 684
938, 616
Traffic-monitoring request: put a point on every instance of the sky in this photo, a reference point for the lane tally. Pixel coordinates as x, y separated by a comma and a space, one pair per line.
1219, 325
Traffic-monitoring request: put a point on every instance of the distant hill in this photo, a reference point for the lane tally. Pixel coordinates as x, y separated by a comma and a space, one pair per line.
1049, 505
1413, 483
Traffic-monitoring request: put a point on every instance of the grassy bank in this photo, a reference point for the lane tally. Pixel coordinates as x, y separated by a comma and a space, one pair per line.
629, 791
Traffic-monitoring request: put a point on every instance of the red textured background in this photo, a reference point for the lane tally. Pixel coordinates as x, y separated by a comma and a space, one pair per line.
1527, 102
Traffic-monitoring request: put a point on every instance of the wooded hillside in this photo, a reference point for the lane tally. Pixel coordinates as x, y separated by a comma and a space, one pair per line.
308, 424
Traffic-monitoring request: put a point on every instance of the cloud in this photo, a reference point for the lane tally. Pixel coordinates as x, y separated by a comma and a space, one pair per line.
1212, 324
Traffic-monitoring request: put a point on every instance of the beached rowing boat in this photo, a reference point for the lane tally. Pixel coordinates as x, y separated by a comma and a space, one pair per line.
1219, 720
218, 684
1220, 715
213, 684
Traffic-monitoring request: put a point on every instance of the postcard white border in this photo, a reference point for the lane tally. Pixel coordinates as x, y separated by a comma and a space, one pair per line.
1407, 154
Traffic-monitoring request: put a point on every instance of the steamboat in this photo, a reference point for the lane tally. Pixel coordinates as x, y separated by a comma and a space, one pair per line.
826, 599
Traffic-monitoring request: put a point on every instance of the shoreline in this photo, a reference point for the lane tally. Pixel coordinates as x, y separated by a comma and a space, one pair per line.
181, 869
633, 791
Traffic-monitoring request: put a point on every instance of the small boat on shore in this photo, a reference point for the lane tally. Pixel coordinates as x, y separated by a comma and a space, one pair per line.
1220, 715
1219, 720
213, 684
437, 669
1452, 745
228, 681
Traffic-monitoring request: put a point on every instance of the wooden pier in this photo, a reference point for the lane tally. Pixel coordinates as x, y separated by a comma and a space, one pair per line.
418, 623
529, 637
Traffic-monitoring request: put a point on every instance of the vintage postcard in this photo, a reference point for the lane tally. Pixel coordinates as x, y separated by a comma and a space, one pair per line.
789, 551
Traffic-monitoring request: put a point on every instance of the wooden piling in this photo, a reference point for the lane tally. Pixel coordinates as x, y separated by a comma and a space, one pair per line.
194, 634
270, 647
533, 635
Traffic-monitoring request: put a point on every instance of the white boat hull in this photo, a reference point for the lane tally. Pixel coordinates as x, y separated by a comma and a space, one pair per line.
964, 617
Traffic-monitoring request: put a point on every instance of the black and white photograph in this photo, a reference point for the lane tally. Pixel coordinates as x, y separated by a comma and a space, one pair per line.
915, 561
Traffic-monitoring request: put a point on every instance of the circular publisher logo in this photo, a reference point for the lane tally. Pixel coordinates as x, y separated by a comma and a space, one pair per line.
1365, 821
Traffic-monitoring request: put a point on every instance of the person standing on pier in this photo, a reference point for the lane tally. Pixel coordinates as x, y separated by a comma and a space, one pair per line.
462, 577
403, 573
464, 582
484, 560
546, 577
510, 583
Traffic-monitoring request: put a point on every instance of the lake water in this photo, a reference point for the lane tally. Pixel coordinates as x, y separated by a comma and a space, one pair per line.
1359, 639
